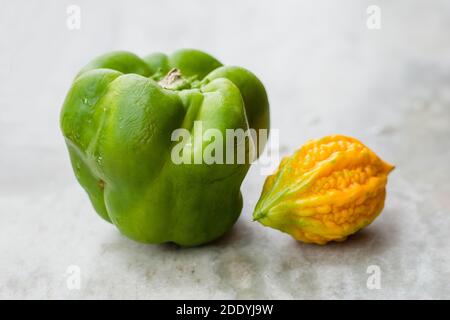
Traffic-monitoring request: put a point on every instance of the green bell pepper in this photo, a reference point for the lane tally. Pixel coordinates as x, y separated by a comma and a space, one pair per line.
118, 119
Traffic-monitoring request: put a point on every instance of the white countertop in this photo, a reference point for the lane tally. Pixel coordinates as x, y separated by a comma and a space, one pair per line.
325, 72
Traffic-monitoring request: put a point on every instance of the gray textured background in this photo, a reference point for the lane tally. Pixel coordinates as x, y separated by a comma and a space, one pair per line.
325, 73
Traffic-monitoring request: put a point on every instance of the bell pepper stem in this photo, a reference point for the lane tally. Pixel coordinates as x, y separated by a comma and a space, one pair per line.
174, 80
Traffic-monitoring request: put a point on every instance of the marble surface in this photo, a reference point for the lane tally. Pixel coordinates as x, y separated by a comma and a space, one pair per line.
325, 72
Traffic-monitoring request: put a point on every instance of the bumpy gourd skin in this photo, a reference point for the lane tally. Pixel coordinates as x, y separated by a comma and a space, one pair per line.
117, 121
329, 189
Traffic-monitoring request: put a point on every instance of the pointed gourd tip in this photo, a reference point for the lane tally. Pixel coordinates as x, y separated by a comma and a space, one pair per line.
389, 167
257, 215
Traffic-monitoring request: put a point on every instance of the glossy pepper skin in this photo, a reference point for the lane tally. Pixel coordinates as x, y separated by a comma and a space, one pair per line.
117, 120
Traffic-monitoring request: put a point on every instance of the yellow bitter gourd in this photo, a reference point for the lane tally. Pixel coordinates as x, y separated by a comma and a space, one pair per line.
327, 190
